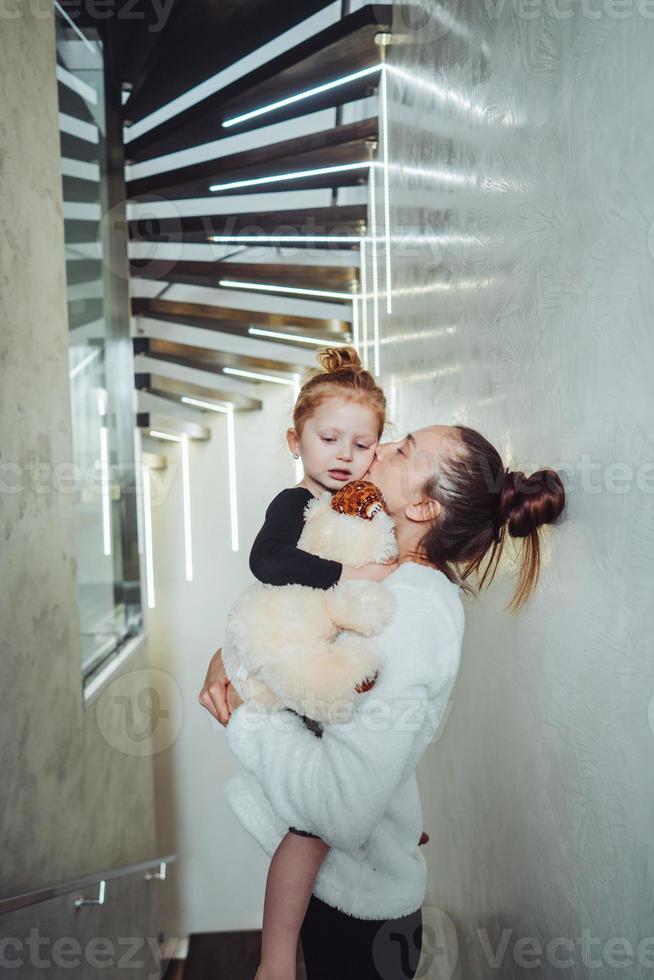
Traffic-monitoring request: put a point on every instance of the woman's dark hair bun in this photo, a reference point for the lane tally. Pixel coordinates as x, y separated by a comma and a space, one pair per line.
527, 502
339, 358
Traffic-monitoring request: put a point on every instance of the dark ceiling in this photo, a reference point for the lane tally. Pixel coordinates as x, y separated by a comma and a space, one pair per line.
165, 47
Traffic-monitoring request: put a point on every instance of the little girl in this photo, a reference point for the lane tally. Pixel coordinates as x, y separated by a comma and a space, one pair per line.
338, 419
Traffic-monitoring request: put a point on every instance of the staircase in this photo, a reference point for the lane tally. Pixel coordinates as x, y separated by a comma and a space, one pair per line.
254, 216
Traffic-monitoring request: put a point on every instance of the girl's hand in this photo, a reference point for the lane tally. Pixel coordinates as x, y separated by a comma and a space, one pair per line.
373, 571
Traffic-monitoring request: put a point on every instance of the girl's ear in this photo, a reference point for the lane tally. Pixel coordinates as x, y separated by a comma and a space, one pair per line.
292, 440
427, 509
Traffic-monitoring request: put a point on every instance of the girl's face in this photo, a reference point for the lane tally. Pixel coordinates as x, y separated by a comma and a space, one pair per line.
338, 442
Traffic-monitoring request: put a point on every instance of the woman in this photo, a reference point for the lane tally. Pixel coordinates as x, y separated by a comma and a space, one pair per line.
453, 503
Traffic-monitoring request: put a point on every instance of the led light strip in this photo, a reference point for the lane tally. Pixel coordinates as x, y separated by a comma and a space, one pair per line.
258, 377
104, 472
273, 288
92, 47
299, 469
167, 436
355, 322
106, 489
138, 480
84, 363
375, 273
387, 198
338, 239
364, 303
257, 332
292, 175
300, 96
228, 410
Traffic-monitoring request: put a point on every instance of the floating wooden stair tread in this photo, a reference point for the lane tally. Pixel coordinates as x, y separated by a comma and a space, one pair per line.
172, 424
84, 311
340, 49
346, 55
228, 320
79, 232
327, 148
73, 104
172, 389
80, 271
328, 277
202, 38
80, 191
205, 359
344, 220
154, 461
76, 148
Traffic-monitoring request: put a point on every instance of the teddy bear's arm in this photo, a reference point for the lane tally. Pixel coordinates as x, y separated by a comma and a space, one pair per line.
360, 605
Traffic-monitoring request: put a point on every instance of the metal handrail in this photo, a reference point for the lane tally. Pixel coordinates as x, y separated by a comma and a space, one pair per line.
77, 884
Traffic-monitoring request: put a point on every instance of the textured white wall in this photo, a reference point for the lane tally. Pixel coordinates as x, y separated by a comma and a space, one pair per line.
530, 319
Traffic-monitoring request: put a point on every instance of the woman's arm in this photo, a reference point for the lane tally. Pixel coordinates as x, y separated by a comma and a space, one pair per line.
340, 785
275, 558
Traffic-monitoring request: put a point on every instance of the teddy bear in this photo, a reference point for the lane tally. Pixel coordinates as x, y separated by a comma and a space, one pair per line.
308, 649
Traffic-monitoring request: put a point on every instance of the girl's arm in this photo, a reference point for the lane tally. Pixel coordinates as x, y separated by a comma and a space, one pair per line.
340, 785
275, 557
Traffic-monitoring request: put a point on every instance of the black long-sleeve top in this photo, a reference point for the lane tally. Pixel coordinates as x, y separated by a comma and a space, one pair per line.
276, 560
275, 557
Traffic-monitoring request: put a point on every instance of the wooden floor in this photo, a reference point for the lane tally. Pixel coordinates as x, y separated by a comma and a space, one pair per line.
223, 956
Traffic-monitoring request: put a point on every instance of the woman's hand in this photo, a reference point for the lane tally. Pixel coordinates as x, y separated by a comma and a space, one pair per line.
213, 695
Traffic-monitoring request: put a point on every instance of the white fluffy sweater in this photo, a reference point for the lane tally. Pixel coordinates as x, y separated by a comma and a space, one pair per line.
356, 786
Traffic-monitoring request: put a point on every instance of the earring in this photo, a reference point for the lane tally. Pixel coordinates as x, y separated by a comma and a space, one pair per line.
296, 455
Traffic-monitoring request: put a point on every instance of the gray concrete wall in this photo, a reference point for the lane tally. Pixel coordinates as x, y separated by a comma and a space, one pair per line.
74, 800
521, 180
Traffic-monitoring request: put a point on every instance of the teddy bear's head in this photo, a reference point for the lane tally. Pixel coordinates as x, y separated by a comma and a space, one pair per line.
360, 498
352, 526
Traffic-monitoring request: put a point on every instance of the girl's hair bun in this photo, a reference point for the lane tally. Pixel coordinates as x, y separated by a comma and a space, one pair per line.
343, 375
335, 359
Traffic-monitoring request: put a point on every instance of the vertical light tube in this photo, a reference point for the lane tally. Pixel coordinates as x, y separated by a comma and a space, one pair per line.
387, 198
138, 487
147, 522
104, 474
299, 469
186, 491
106, 489
355, 321
231, 453
364, 302
375, 275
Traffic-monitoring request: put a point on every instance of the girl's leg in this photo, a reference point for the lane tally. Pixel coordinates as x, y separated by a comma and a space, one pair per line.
337, 946
291, 876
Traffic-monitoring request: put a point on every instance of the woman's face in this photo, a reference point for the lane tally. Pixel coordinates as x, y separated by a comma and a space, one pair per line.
401, 468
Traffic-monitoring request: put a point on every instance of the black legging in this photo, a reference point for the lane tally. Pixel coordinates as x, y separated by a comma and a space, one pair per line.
337, 946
